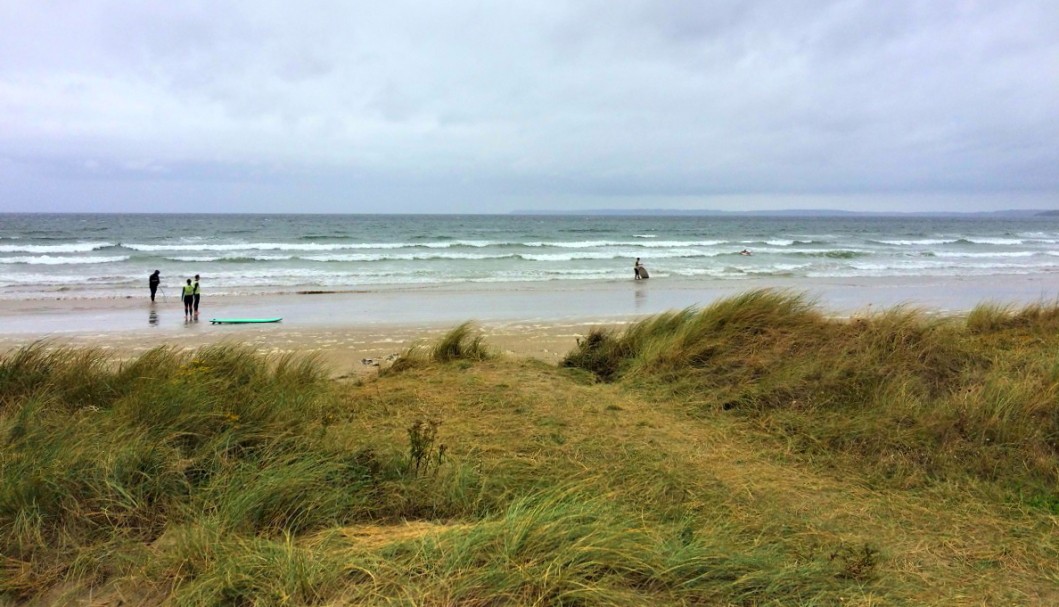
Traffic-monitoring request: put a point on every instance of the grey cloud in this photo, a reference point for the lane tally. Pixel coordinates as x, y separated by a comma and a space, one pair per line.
626, 99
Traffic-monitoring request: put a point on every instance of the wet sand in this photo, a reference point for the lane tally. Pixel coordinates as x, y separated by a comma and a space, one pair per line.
539, 320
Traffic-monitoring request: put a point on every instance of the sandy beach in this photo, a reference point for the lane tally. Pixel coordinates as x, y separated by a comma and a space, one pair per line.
541, 321
345, 350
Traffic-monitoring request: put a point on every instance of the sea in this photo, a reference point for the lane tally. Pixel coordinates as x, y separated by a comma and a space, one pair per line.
111, 255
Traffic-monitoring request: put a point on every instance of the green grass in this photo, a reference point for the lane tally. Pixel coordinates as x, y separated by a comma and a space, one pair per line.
909, 394
754, 452
463, 344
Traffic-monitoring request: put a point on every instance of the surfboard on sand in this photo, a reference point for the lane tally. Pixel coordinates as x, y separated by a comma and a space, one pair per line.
242, 321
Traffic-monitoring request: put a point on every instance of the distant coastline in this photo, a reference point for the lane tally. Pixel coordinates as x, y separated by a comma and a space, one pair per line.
806, 213
787, 213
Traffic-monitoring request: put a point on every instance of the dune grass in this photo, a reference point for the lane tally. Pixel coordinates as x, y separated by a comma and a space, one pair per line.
754, 452
220, 435
912, 396
464, 343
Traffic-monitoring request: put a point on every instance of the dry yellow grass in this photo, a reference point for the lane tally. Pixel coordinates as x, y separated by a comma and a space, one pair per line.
941, 545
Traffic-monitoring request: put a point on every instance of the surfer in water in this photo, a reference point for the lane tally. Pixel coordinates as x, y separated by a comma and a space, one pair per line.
638, 271
745, 252
153, 283
189, 300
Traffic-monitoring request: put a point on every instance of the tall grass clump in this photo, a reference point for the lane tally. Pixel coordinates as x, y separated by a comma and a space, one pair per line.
989, 317
462, 343
600, 352
93, 452
914, 395
564, 546
1038, 317
74, 377
202, 564
900, 345
690, 338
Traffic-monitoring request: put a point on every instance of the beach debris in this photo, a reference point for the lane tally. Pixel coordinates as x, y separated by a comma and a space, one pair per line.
376, 362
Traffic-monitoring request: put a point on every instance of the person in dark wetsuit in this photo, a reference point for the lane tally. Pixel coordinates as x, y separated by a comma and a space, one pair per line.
198, 296
189, 300
153, 283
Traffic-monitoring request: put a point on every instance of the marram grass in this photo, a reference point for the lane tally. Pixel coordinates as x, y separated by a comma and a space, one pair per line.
906, 392
754, 452
463, 343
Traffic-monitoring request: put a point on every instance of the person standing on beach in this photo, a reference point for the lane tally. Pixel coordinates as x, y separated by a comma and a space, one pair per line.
153, 283
636, 269
198, 296
189, 300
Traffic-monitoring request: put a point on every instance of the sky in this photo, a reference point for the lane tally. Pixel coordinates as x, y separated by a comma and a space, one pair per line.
494, 107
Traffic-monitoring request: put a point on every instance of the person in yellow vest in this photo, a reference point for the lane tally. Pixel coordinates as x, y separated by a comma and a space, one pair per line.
189, 300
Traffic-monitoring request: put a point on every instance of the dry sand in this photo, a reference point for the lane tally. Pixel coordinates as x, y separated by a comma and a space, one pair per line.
344, 350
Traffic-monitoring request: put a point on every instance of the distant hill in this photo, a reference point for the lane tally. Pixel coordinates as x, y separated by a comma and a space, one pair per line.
1012, 213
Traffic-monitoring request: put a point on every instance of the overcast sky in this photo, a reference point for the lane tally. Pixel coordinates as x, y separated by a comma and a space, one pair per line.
488, 107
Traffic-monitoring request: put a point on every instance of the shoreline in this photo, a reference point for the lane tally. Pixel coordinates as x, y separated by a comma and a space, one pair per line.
520, 319
584, 301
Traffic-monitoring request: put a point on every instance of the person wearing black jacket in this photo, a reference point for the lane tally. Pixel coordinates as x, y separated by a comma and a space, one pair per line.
153, 283
198, 296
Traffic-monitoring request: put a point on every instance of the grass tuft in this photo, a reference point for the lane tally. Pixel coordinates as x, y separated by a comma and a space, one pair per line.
461, 343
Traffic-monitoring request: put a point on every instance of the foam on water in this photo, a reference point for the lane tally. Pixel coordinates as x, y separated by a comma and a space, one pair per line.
920, 242
403, 257
995, 241
268, 246
51, 260
972, 255
73, 247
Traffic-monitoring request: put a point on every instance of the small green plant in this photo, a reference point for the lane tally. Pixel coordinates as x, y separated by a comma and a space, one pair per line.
855, 563
424, 451
1048, 502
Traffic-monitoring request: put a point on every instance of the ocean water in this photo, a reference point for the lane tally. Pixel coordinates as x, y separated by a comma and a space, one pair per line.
100, 256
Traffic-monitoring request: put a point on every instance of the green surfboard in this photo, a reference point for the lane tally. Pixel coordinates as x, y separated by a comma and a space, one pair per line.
242, 321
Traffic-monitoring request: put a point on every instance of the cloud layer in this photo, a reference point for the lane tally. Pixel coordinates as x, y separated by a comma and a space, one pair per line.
460, 106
